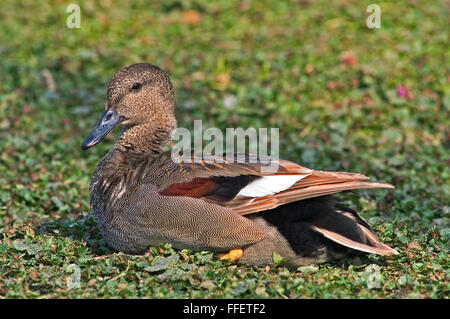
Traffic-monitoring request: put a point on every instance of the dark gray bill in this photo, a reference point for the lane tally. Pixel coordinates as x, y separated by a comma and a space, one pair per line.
108, 121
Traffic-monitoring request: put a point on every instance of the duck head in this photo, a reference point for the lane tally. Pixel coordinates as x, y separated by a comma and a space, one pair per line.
139, 96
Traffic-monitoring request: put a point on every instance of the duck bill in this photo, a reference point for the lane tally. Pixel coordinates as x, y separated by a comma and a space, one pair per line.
108, 121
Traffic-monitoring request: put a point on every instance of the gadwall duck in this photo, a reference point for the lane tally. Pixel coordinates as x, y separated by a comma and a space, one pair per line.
141, 197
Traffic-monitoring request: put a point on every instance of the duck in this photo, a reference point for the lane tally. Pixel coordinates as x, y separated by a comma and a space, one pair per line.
141, 197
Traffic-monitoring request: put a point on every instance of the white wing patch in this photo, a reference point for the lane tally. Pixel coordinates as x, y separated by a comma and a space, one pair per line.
269, 185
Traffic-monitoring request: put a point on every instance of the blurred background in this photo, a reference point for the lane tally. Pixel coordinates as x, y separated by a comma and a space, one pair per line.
345, 97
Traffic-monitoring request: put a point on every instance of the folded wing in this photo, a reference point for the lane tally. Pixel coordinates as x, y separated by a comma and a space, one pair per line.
247, 188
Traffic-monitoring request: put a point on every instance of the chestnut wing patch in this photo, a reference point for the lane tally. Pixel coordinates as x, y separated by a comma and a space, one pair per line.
198, 187
216, 188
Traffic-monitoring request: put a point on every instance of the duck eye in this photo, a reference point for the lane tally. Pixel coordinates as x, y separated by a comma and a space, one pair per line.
136, 86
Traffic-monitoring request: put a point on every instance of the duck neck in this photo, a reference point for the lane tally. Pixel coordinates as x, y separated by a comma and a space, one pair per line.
145, 140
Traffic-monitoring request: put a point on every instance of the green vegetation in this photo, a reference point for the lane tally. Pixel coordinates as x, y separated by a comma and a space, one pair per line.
345, 97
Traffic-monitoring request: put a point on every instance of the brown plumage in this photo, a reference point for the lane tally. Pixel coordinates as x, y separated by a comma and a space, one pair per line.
141, 197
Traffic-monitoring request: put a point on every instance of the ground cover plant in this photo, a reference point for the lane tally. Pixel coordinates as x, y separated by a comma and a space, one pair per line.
345, 97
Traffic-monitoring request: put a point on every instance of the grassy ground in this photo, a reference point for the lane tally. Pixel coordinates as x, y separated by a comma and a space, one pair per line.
345, 97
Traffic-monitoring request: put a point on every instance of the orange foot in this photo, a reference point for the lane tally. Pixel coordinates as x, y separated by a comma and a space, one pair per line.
233, 254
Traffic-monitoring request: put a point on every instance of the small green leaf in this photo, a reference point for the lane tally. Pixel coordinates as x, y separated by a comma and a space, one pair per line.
20, 244
187, 266
57, 202
33, 249
208, 284
162, 263
241, 287
308, 269
277, 259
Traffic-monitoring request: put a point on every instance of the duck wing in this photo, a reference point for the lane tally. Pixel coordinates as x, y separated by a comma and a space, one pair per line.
255, 183
248, 187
